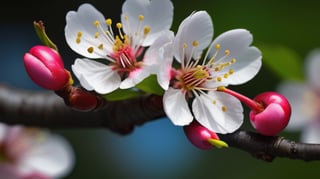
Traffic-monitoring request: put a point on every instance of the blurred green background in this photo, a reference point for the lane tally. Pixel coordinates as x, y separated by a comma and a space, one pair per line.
158, 149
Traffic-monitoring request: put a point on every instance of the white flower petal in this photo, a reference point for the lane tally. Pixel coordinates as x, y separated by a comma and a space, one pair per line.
135, 77
83, 21
311, 133
303, 103
159, 58
219, 112
96, 75
247, 59
312, 68
196, 27
176, 107
158, 15
52, 155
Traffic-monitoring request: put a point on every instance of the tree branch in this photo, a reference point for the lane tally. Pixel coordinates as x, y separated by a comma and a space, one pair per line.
46, 109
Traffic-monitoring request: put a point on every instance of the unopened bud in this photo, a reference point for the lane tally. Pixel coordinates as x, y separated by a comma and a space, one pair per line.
45, 67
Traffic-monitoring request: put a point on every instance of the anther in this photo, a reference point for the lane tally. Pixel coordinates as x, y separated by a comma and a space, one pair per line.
219, 79
141, 17
224, 108
146, 30
184, 45
96, 23
90, 49
230, 71
195, 43
96, 35
109, 22
227, 52
100, 46
119, 25
79, 34
218, 46
233, 60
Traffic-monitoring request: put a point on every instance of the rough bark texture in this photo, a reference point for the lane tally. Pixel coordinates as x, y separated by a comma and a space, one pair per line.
48, 110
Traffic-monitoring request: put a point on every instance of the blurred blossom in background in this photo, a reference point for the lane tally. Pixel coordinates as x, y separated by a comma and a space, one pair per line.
304, 97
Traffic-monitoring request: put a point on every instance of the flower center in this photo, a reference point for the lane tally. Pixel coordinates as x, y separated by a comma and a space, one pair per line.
192, 78
121, 50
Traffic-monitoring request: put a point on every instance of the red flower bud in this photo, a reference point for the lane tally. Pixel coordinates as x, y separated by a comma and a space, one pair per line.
45, 67
275, 115
200, 136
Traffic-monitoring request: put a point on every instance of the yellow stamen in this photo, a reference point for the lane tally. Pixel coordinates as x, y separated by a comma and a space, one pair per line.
119, 25
230, 71
195, 43
78, 40
96, 35
90, 49
141, 17
100, 46
146, 30
109, 22
79, 34
96, 23
218, 46
224, 108
219, 79
227, 52
226, 75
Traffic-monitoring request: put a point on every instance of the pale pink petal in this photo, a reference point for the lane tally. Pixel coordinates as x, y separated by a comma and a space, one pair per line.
312, 68
196, 27
176, 107
219, 112
311, 133
159, 57
52, 155
83, 21
247, 58
303, 103
158, 15
135, 77
96, 75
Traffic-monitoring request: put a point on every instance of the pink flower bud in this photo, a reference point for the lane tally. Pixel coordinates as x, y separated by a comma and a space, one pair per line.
199, 136
45, 67
275, 115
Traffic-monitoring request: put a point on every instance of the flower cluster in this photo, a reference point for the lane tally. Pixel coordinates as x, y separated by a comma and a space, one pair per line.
191, 67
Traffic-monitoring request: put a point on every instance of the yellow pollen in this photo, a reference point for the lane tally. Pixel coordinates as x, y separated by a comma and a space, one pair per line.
214, 102
146, 30
200, 73
219, 79
184, 45
233, 60
78, 40
141, 17
230, 71
227, 52
126, 17
224, 108
96, 23
100, 46
119, 25
218, 46
108, 21
90, 49
79, 34
96, 35
195, 43
226, 75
